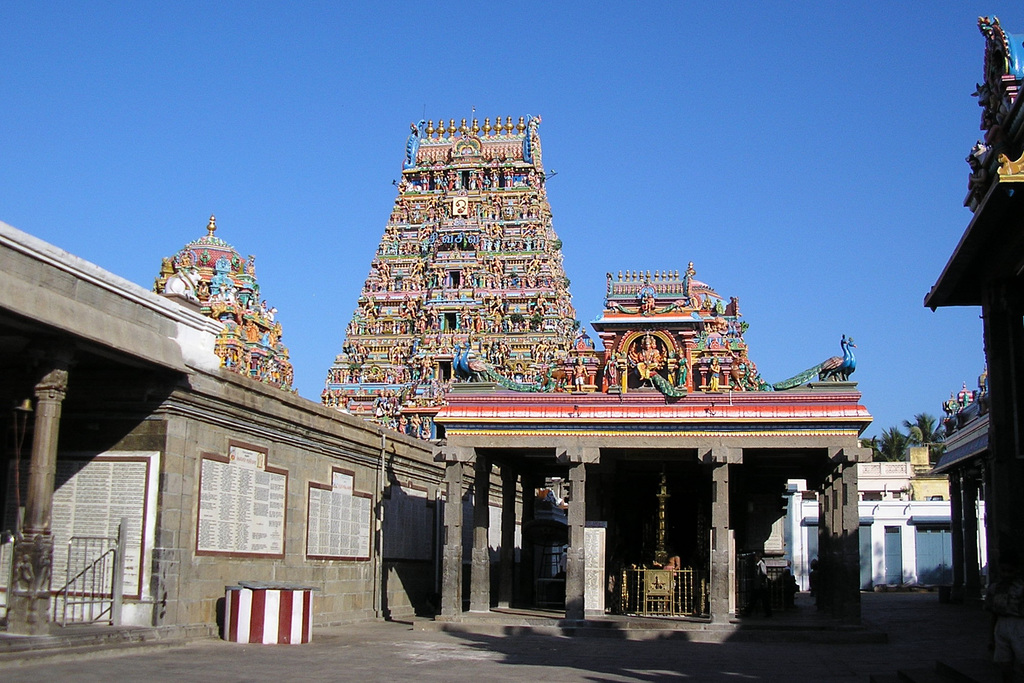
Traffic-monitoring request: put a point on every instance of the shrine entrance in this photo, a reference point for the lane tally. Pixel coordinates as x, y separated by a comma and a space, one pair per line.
657, 545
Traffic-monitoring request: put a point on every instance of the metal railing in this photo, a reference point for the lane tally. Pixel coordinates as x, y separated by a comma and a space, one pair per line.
95, 580
663, 592
6, 569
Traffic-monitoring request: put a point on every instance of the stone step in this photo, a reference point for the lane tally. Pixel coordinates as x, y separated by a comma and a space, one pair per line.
91, 638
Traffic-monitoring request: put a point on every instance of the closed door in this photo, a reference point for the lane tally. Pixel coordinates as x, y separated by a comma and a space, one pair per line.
934, 548
893, 556
866, 578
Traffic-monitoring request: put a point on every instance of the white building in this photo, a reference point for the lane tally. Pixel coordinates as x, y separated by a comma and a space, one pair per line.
903, 542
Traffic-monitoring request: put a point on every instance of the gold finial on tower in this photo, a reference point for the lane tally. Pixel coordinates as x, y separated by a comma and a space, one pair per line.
521, 126
475, 128
487, 126
463, 129
451, 128
508, 125
430, 128
497, 125
440, 128
211, 227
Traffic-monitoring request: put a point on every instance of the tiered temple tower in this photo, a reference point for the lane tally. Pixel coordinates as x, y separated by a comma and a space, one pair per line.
210, 274
469, 265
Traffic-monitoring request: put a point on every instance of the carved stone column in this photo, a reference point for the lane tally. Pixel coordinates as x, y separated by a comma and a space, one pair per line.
451, 558
1004, 351
956, 532
508, 535
972, 564
29, 612
480, 574
576, 560
839, 542
721, 583
529, 483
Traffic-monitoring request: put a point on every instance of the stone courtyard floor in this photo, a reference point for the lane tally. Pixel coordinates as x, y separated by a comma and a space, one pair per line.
920, 630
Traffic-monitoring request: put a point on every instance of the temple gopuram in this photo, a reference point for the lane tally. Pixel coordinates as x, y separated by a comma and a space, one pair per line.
210, 275
669, 452
469, 269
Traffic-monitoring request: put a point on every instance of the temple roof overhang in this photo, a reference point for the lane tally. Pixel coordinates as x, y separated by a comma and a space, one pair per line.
991, 248
814, 414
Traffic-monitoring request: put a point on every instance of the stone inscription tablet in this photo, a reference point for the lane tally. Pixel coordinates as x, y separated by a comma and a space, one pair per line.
90, 497
408, 524
241, 505
339, 520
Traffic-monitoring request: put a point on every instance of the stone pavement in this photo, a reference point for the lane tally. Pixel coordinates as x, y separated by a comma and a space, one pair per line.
920, 631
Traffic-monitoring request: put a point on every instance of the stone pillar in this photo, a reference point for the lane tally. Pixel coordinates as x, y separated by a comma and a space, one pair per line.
529, 483
971, 560
956, 532
1004, 350
480, 574
839, 543
576, 561
29, 612
508, 536
721, 574
451, 558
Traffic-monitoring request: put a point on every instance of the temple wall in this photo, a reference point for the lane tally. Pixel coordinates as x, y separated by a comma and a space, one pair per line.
309, 443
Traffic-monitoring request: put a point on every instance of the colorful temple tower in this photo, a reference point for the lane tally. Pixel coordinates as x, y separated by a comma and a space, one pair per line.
468, 272
210, 274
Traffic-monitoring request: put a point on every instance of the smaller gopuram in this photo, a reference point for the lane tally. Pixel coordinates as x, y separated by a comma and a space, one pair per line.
211, 275
672, 333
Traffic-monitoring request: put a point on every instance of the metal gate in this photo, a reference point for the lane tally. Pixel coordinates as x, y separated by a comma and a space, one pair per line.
663, 593
95, 580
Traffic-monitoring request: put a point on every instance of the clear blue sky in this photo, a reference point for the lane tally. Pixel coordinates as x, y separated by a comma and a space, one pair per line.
808, 157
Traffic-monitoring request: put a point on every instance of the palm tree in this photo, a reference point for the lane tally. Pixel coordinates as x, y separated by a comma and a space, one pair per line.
893, 445
872, 445
924, 431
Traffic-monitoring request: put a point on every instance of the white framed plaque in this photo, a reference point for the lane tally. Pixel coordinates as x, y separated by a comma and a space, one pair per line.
242, 504
338, 519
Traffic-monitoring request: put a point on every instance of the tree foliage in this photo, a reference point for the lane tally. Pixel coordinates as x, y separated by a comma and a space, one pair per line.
893, 446
925, 431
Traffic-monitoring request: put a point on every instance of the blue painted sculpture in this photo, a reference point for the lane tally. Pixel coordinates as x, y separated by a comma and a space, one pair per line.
836, 368
412, 145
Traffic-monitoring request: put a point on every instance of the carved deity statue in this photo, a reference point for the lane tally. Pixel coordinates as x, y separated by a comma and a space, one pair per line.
647, 357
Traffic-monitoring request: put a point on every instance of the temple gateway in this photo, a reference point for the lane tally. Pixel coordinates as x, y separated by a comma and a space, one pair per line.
643, 478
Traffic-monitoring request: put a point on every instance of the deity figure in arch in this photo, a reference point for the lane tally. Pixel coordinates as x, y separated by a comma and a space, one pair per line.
647, 357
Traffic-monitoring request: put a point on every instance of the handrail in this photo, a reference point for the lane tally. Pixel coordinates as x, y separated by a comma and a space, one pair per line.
98, 585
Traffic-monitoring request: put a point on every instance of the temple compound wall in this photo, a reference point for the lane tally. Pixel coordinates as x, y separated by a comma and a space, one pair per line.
124, 412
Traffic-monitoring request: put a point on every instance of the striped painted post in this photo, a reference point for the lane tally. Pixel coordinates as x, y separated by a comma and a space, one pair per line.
282, 616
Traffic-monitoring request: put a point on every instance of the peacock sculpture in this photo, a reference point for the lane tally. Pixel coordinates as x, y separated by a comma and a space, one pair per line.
835, 369
468, 367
